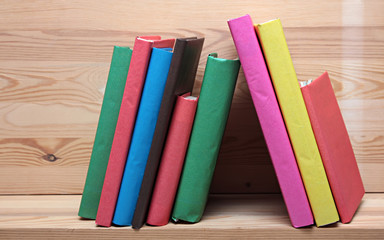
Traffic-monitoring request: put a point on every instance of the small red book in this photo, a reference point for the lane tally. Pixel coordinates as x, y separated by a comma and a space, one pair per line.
125, 124
172, 161
334, 145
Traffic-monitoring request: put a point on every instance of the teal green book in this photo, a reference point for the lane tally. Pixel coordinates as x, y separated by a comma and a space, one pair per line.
207, 132
109, 114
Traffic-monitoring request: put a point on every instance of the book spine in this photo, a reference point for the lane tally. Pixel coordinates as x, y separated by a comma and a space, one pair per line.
133, 88
105, 131
208, 129
172, 161
142, 135
334, 145
296, 118
271, 120
181, 77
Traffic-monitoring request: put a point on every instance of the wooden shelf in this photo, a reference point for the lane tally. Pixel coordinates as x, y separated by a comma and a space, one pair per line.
226, 216
54, 63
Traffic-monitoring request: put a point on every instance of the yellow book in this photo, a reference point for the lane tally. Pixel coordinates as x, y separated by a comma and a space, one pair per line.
296, 119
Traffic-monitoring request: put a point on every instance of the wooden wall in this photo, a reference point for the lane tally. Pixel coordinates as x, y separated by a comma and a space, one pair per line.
54, 61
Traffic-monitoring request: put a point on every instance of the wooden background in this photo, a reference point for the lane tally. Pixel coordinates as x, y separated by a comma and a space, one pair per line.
54, 62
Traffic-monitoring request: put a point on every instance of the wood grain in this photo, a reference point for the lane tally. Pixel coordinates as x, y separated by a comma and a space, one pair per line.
54, 61
226, 217
44, 165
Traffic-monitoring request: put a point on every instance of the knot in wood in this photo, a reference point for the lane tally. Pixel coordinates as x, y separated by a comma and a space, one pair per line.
50, 157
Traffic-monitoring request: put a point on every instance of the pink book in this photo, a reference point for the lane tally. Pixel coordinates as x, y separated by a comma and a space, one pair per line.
271, 120
172, 161
334, 146
125, 123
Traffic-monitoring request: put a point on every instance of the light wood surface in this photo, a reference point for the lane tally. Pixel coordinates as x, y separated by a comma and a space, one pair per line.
54, 61
226, 217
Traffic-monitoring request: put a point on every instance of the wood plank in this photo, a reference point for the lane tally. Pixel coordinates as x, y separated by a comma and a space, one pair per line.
243, 165
45, 119
54, 61
226, 217
44, 166
25, 169
348, 42
119, 14
76, 119
60, 81
53, 81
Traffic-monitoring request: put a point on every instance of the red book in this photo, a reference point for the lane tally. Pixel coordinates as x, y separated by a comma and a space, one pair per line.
125, 124
334, 146
172, 161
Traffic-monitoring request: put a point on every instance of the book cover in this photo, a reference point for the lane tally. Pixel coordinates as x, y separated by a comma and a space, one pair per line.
297, 122
105, 131
142, 135
334, 146
211, 117
181, 77
132, 93
172, 161
271, 120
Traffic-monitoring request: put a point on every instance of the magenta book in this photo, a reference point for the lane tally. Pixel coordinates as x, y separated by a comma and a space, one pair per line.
271, 120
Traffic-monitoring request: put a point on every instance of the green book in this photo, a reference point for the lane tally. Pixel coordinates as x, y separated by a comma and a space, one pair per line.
207, 132
105, 131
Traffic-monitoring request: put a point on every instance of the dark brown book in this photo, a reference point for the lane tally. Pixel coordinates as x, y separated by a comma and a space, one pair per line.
181, 77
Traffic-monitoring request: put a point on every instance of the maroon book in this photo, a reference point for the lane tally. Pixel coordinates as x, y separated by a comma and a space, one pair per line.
181, 77
172, 161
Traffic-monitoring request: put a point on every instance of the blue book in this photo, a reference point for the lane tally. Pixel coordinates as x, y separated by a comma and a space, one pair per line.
142, 135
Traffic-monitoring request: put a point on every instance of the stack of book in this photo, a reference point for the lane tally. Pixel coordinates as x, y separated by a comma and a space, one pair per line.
149, 126
156, 145
303, 128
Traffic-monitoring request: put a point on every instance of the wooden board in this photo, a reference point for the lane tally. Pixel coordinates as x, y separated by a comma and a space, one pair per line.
226, 217
54, 61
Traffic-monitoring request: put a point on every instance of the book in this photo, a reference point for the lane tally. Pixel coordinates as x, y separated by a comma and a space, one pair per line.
271, 120
172, 161
211, 116
334, 146
181, 77
142, 135
132, 93
105, 131
297, 122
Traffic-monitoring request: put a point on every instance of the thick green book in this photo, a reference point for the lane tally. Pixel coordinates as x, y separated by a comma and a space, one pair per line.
105, 131
207, 132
